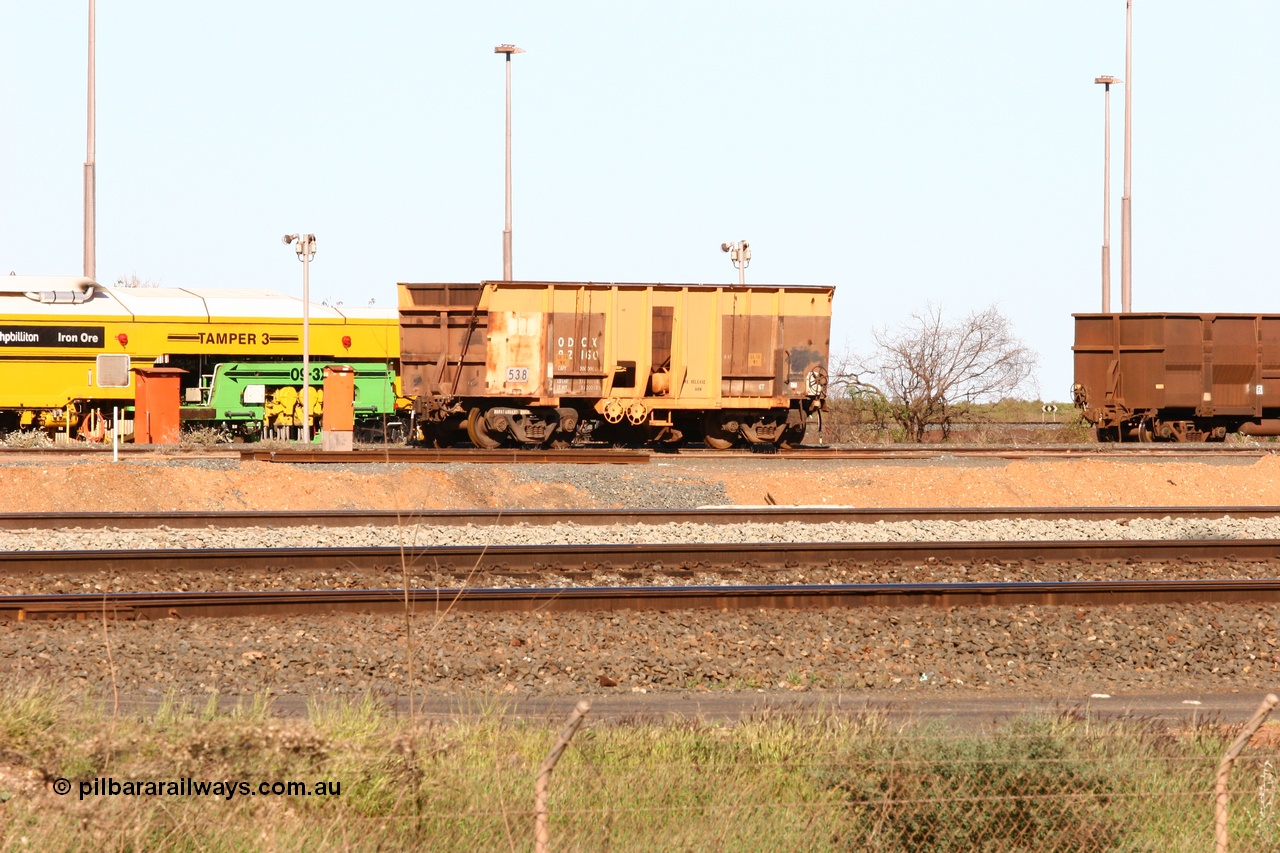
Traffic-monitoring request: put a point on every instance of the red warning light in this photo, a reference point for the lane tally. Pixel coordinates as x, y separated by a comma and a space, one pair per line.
346, 342
123, 339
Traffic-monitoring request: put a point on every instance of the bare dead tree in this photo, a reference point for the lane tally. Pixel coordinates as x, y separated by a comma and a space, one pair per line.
928, 370
134, 280
856, 409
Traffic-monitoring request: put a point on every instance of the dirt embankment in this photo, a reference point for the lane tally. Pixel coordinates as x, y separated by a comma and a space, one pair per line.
218, 485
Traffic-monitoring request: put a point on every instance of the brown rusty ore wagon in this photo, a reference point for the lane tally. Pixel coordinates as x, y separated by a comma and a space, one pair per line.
1178, 377
519, 363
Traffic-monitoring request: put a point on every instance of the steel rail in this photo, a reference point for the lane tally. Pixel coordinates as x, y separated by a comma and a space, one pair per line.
1011, 451
611, 599
599, 517
594, 456
831, 453
576, 558
1135, 452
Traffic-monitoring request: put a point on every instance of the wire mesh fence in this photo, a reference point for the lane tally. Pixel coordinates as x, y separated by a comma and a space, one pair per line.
809, 782
1041, 789
1047, 791
947, 805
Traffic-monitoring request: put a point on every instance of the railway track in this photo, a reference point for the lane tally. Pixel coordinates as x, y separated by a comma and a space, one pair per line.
600, 455
152, 605
829, 453
592, 455
588, 455
602, 517
578, 558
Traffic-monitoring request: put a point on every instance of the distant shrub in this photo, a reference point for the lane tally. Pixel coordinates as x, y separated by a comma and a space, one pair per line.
204, 436
27, 439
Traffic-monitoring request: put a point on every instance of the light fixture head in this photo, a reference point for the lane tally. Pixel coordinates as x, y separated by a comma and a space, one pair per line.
508, 49
1108, 80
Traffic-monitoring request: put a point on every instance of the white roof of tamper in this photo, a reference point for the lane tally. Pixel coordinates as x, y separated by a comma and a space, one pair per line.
72, 296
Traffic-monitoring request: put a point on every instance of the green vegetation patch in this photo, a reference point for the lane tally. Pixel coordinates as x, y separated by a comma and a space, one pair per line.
208, 777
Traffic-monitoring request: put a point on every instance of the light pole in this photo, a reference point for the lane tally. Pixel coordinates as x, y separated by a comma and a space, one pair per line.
1126, 210
1106, 193
740, 254
90, 251
509, 50
305, 246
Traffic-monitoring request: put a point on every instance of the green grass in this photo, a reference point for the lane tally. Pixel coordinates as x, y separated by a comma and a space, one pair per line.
780, 781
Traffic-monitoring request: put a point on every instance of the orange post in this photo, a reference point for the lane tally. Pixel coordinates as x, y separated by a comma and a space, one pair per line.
156, 402
338, 420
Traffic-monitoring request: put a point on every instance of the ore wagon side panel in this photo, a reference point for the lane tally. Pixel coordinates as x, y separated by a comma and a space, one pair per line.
696, 333
1184, 364
443, 338
547, 340
1095, 363
1269, 373
576, 342
516, 352
749, 343
1231, 347
1142, 361
805, 339
628, 336
772, 339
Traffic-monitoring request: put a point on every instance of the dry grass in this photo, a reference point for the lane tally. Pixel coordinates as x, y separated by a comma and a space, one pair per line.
26, 439
814, 781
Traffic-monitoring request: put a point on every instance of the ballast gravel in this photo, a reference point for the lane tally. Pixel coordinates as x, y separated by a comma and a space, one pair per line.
423, 535
1044, 651
425, 577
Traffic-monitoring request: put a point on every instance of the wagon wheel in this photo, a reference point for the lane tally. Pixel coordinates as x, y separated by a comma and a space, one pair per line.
614, 411
792, 436
714, 435
478, 433
668, 440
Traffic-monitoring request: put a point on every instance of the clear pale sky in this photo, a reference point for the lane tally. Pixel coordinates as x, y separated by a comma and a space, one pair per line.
936, 151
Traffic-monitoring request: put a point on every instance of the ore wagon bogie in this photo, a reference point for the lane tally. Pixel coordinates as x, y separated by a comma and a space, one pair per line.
512, 363
1178, 377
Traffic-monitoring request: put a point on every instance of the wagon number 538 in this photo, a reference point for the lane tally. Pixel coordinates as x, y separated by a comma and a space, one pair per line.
517, 374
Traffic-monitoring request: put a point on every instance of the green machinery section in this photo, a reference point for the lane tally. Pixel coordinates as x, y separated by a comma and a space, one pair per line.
255, 394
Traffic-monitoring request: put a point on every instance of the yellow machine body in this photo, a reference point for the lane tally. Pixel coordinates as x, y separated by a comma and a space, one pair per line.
68, 345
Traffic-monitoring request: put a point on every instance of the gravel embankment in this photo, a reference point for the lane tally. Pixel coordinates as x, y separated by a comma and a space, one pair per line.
1045, 650
423, 575
1042, 651
421, 535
